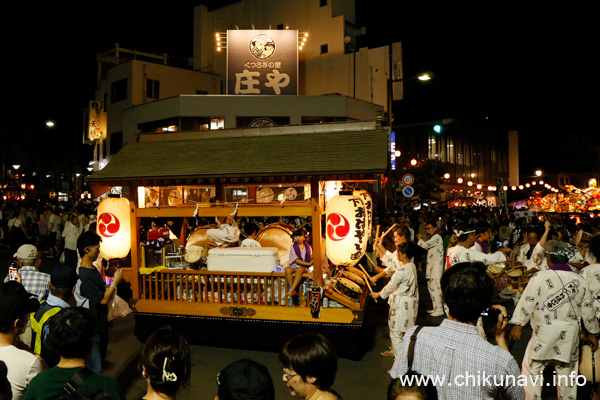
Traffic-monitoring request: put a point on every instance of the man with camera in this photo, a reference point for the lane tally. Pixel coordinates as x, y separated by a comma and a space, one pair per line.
453, 356
556, 301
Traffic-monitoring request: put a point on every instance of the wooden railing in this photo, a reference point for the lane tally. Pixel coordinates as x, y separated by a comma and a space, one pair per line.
249, 288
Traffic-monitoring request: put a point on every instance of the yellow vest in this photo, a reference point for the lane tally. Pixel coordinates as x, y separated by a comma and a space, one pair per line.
44, 313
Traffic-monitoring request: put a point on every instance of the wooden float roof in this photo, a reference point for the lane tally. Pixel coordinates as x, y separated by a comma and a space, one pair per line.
304, 154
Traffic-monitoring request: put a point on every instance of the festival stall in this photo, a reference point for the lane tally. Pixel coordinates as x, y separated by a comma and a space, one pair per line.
214, 293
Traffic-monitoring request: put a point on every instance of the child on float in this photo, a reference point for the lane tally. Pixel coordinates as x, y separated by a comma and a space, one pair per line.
300, 260
402, 293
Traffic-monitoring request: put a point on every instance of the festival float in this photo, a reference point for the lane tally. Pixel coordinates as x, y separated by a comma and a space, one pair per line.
215, 293
572, 200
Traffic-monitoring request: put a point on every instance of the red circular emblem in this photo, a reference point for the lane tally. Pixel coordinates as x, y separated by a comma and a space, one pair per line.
338, 227
108, 225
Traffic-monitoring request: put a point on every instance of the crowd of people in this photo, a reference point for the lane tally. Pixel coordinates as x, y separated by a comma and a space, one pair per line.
54, 327
52, 228
557, 253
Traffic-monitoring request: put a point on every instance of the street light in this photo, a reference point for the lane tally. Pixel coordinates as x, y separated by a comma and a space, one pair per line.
538, 173
424, 77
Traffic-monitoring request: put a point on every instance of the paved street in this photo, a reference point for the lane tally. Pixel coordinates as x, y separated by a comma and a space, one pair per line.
362, 379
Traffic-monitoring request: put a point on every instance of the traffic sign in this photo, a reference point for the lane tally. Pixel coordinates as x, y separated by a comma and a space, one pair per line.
408, 191
408, 179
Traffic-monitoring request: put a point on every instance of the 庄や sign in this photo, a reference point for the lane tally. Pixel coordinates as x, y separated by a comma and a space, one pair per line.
262, 62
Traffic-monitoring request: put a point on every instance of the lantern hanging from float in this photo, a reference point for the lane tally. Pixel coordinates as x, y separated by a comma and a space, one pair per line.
366, 198
346, 233
113, 226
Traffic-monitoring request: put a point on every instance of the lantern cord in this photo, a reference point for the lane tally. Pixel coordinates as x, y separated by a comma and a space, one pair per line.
234, 213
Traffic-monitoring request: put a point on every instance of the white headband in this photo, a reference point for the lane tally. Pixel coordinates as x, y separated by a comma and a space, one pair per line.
460, 233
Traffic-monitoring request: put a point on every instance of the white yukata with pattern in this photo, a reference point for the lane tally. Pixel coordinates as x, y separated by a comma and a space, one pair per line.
435, 268
555, 301
402, 293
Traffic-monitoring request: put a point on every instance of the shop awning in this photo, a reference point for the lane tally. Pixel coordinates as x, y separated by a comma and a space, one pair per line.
305, 154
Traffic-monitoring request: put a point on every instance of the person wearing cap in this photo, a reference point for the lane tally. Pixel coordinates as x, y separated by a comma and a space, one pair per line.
243, 380
34, 281
559, 305
62, 284
22, 365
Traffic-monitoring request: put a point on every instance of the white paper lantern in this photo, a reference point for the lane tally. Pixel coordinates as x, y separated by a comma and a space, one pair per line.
366, 198
113, 226
346, 229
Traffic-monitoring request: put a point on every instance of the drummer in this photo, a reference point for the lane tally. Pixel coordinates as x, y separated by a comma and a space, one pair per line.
402, 293
389, 259
227, 234
300, 260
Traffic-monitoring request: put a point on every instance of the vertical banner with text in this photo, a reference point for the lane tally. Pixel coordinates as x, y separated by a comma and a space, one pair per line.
502, 194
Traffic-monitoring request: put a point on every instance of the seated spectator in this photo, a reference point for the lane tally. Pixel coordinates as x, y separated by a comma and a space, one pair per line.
71, 332
309, 366
165, 363
300, 260
454, 349
22, 365
245, 379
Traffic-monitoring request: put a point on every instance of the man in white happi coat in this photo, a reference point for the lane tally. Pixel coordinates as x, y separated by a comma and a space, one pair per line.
463, 252
531, 254
434, 244
556, 301
591, 273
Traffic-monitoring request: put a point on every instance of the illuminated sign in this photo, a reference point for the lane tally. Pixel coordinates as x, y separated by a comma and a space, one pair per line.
262, 62
95, 121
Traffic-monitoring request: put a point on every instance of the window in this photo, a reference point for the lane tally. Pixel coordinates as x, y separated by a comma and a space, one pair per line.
152, 89
322, 3
324, 49
118, 90
116, 142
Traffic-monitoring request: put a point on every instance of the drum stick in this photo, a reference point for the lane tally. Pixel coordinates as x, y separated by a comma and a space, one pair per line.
369, 258
367, 280
377, 233
388, 231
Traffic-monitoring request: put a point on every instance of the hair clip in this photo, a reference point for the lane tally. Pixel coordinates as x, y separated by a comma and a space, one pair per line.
168, 376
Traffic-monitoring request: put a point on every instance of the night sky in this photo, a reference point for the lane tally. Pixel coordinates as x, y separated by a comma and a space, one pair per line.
522, 68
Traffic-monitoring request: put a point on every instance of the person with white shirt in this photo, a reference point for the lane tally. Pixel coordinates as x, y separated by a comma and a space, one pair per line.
250, 231
434, 244
463, 252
